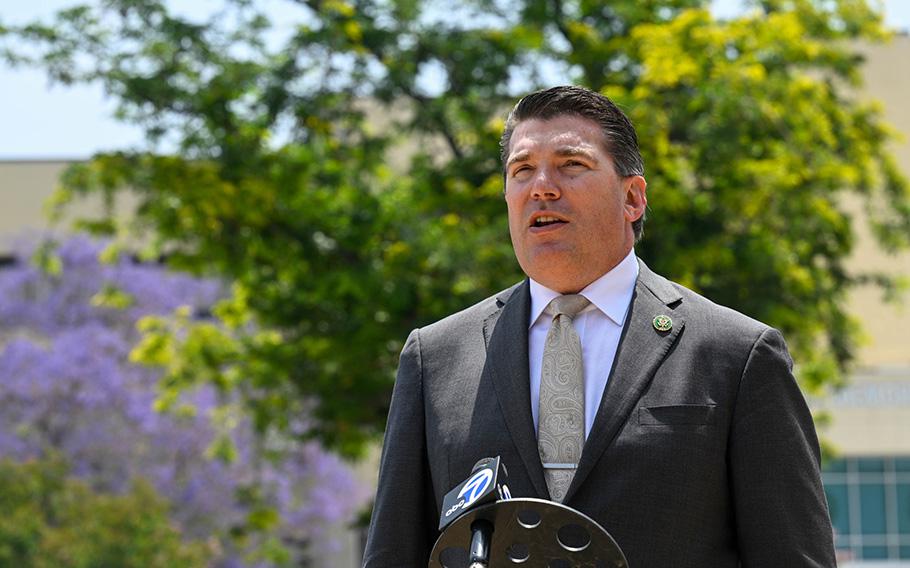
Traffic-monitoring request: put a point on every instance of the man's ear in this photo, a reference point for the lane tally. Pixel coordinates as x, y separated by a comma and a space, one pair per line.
636, 200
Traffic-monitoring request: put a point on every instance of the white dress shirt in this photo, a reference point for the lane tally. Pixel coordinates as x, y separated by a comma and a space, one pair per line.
599, 326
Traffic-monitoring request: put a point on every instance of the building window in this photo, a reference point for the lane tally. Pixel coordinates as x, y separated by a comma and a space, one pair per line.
869, 500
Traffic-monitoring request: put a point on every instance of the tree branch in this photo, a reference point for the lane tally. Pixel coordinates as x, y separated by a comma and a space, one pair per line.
439, 120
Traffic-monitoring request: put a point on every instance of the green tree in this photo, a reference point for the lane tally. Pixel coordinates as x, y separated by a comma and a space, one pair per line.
340, 169
50, 520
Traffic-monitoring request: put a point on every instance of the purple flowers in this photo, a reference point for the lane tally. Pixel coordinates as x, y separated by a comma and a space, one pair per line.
66, 385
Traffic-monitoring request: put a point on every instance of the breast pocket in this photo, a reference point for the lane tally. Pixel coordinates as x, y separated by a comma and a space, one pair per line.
676, 415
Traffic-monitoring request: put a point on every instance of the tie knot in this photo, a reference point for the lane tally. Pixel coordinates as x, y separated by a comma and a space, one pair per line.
568, 305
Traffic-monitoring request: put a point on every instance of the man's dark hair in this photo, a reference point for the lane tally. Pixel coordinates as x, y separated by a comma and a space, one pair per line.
620, 140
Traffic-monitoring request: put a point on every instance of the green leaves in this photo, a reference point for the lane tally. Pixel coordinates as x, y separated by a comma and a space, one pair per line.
769, 145
50, 520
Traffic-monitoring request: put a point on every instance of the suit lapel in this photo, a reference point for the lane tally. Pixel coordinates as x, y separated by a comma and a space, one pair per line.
506, 334
641, 351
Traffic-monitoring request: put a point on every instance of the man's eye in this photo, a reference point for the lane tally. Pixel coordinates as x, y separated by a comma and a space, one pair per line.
520, 170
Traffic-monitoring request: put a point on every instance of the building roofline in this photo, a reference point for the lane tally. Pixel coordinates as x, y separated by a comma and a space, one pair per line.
42, 160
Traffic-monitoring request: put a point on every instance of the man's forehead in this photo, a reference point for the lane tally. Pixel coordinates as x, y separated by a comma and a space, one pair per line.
563, 134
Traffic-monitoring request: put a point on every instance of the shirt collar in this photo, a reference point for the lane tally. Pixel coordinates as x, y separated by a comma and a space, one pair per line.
611, 293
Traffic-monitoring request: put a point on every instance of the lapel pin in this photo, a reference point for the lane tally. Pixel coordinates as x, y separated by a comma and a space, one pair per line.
663, 323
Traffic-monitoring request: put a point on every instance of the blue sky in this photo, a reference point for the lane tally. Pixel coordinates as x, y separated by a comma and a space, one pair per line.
38, 121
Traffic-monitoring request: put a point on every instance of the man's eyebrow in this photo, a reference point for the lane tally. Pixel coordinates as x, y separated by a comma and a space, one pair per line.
568, 151
518, 157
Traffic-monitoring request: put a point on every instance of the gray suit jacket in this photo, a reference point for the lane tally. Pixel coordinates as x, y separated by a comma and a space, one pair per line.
703, 452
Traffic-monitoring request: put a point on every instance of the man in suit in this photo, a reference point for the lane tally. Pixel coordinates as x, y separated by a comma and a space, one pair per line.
698, 448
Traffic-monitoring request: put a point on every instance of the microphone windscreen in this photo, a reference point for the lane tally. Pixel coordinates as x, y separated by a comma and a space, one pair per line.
482, 462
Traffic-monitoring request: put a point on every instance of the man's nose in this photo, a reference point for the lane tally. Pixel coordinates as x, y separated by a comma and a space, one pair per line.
544, 185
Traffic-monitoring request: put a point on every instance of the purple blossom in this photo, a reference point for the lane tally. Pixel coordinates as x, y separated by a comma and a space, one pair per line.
66, 385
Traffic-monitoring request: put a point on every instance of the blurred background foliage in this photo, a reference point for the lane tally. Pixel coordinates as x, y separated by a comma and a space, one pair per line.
340, 171
71, 526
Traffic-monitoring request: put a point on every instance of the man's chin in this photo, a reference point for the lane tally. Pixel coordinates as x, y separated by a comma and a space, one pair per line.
555, 271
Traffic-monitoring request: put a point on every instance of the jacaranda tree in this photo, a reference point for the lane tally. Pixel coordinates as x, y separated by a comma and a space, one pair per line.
69, 390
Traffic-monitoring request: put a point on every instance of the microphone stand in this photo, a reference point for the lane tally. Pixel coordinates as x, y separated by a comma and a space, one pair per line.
481, 533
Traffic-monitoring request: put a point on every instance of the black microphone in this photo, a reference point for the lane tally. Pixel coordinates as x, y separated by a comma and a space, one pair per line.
486, 484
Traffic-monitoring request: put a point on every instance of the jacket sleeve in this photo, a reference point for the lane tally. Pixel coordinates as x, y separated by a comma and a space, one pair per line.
780, 506
402, 527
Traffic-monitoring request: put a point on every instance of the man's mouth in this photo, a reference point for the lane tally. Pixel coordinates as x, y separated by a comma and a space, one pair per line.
545, 220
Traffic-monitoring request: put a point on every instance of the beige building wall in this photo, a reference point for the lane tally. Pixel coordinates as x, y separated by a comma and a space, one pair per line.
871, 417
887, 74
24, 187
